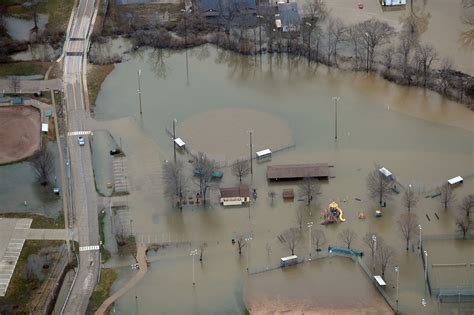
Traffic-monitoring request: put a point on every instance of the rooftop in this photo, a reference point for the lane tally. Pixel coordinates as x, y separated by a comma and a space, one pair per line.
241, 191
298, 171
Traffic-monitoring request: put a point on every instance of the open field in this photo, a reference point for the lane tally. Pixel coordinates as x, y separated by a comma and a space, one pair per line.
19, 133
24, 68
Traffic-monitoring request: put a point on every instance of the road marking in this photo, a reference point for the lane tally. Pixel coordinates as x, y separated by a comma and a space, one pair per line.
79, 133
87, 248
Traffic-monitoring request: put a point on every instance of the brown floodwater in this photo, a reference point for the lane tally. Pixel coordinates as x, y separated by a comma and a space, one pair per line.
422, 138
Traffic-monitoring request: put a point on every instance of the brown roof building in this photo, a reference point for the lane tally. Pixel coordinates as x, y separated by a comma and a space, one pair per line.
297, 171
235, 195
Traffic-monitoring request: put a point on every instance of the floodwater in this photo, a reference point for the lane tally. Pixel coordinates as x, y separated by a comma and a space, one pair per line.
421, 137
41, 52
442, 20
19, 29
21, 192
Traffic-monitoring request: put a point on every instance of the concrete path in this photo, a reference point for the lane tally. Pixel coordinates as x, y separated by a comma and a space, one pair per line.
47, 234
30, 86
142, 263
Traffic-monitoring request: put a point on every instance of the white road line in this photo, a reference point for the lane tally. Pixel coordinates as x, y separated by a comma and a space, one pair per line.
79, 133
87, 248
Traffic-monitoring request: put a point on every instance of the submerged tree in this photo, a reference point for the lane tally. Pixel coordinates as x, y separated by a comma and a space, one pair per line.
43, 165
466, 205
379, 185
290, 238
309, 188
240, 244
348, 237
464, 225
318, 238
370, 239
175, 182
385, 256
410, 199
241, 168
204, 167
447, 195
408, 224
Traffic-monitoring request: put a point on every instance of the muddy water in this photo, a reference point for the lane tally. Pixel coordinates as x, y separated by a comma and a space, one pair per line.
422, 138
442, 20
19, 29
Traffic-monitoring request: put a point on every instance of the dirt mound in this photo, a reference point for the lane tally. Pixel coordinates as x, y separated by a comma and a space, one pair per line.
20, 132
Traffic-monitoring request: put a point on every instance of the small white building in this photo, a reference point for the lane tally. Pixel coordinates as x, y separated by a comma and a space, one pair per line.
263, 154
180, 143
455, 180
386, 172
391, 3
288, 261
44, 128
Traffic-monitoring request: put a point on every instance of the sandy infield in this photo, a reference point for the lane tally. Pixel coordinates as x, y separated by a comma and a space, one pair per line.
224, 133
20, 132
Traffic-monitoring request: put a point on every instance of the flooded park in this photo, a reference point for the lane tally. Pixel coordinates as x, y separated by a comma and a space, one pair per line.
423, 138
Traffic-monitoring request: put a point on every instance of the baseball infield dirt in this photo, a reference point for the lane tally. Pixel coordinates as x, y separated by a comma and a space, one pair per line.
20, 132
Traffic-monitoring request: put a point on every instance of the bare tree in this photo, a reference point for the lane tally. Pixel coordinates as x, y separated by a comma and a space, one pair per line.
175, 182
385, 256
369, 240
444, 74
315, 13
240, 244
299, 217
424, 57
464, 224
347, 236
408, 224
387, 55
338, 32
14, 84
466, 205
309, 188
318, 238
467, 37
447, 195
201, 250
241, 168
374, 33
379, 185
410, 199
290, 238
43, 165
204, 167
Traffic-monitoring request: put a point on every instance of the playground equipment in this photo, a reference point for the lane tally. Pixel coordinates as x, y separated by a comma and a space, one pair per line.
333, 214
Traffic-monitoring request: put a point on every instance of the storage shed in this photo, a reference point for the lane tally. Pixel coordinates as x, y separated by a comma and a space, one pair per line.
455, 180
180, 143
235, 196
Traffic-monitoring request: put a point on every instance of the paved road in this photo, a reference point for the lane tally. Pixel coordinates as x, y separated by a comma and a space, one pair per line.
84, 195
30, 86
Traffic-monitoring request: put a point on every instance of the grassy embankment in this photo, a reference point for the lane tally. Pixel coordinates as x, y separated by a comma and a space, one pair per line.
104, 253
24, 285
96, 74
39, 221
24, 68
102, 290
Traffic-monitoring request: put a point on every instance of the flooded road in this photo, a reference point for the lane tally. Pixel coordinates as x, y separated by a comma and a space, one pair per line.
422, 138
19, 29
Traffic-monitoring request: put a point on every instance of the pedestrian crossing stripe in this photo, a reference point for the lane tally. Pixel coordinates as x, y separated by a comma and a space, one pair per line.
87, 248
79, 133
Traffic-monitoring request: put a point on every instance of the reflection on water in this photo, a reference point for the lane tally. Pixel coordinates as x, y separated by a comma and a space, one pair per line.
422, 138
19, 29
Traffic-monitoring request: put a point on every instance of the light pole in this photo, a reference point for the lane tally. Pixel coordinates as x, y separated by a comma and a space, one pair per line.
374, 241
367, 35
309, 224
185, 11
139, 90
426, 265
131, 227
419, 242
423, 302
247, 240
397, 270
309, 40
251, 159
174, 138
193, 253
335, 99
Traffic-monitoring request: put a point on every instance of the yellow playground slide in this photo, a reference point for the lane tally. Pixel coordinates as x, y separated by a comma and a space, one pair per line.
334, 205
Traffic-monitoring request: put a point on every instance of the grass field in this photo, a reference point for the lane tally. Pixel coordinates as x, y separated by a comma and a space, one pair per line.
24, 68
23, 287
39, 221
102, 290
96, 74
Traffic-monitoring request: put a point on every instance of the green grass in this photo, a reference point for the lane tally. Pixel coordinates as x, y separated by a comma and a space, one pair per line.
104, 253
102, 290
96, 74
130, 247
24, 68
21, 289
39, 221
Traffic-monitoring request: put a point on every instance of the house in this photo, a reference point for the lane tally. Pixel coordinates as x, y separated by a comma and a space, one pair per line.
239, 12
210, 8
287, 19
235, 196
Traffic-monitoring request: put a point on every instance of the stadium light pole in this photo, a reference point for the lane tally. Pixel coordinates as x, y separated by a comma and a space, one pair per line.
309, 224
193, 253
335, 99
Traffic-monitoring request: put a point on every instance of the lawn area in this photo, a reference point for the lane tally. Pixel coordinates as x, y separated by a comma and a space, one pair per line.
24, 68
24, 285
105, 254
102, 290
96, 74
39, 221
59, 12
